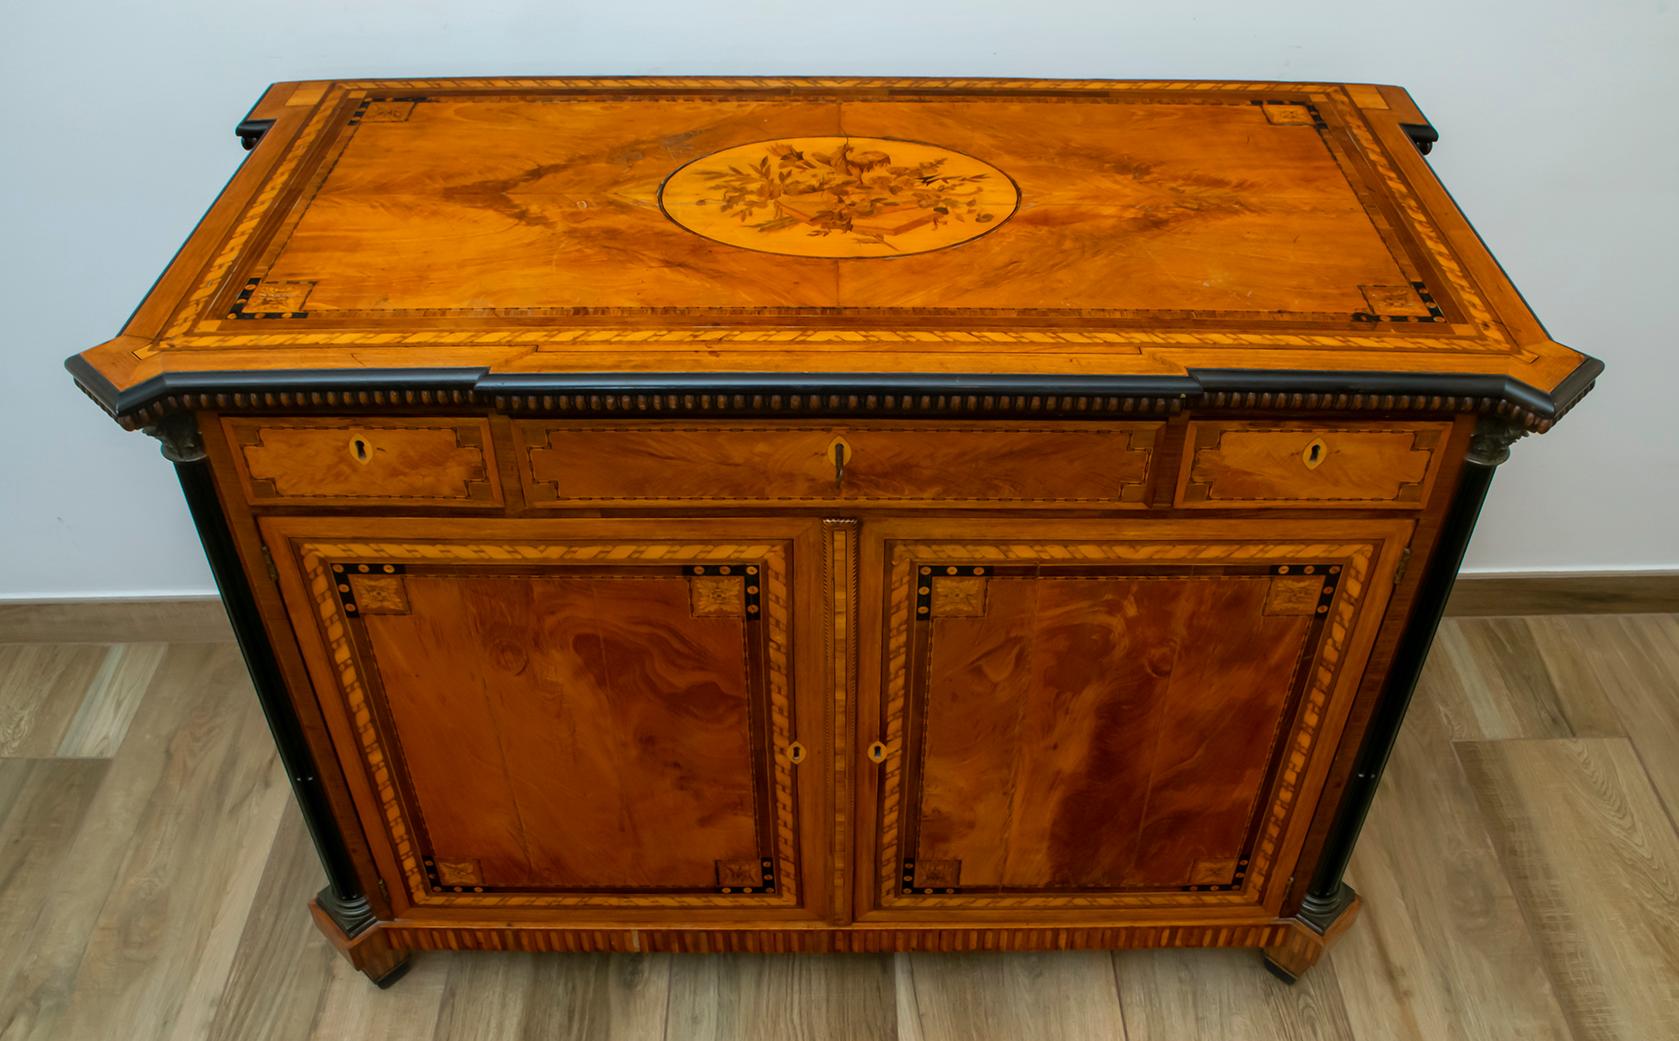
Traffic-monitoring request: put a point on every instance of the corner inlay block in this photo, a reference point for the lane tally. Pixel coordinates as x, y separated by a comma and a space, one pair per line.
726, 514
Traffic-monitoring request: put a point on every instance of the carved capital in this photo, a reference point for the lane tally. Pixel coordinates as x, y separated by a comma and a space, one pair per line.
1490, 444
179, 438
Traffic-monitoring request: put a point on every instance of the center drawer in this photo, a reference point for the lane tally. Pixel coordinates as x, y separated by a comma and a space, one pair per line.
640, 463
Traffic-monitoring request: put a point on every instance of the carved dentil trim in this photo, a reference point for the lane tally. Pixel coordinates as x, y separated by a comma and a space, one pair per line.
651, 404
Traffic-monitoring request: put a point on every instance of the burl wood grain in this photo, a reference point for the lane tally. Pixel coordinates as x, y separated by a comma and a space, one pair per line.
572, 464
1240, 463
521, 228
365, 460
573, 732
517, 186
1103, 732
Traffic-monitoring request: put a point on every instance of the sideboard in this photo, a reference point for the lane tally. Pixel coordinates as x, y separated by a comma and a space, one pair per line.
803, 515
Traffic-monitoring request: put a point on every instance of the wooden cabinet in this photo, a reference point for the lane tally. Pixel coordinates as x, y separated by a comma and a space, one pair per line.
834, 515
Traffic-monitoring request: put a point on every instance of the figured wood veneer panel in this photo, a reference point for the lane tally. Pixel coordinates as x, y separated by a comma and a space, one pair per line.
572, 732
1093, 732
1125, 715
365, 460
607, 464
1236, 463
1123, 198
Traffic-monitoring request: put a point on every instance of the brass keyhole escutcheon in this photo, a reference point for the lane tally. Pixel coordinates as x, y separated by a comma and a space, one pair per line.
1314, 454
877, 752
360, 450
795, 753
839, 451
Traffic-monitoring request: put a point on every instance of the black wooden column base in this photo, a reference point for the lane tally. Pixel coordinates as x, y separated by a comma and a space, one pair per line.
352, 916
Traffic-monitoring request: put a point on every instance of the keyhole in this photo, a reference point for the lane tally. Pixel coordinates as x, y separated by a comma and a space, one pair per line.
839, 451
796, 753
360, 449
1315, 454
877, 752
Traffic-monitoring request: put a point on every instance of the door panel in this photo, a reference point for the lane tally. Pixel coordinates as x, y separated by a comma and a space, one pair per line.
1108, 723
603, 722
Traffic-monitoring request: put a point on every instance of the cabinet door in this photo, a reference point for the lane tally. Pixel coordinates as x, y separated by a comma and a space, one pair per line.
584, 714
1075, 716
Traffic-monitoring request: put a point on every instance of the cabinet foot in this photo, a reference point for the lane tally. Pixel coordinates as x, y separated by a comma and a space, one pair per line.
1312, 934
369, 950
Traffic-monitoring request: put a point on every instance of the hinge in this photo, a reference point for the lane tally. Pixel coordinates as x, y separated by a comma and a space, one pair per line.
1398, 572
268, 560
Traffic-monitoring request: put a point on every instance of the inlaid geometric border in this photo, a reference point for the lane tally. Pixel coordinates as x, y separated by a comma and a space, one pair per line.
472, 435
531, 437
317, 559
1208, 435
839, 595
858, 939
905, 556
192, 328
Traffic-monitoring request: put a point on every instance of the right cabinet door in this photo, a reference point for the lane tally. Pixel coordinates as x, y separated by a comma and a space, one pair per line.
1073, 716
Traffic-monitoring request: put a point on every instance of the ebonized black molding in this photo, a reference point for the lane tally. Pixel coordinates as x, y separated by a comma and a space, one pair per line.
250, 131
1422, 135
1195, 386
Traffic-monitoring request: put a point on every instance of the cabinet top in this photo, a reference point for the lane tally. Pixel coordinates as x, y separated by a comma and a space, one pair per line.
835, 238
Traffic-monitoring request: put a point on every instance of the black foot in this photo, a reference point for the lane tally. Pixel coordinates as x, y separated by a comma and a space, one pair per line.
1278, 971
396, 972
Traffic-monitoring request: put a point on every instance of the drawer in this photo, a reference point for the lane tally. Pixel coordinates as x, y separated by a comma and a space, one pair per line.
430, 462
592, 464
1241, 464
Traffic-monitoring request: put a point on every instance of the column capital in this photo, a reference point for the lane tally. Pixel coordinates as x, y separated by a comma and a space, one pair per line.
1490, 444
178, 437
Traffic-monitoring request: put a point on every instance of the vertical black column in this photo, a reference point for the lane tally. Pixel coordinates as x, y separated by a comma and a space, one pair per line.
343, 898
1329, 895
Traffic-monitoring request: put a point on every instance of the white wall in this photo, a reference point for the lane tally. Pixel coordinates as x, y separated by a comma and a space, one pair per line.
1559, 139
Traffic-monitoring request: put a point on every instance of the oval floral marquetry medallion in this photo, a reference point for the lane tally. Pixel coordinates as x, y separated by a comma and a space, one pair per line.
839, 197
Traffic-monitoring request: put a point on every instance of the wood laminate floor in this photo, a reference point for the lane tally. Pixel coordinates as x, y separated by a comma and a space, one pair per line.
1520, 872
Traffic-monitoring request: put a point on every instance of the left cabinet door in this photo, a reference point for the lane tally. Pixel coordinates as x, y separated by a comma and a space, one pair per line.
597, 715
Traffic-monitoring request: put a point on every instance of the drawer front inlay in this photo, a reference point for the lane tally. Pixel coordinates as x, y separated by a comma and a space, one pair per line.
434, 462
576, 464
1239, 464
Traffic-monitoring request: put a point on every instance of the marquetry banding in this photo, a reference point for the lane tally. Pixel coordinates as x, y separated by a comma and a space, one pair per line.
1341, 568
329, 569
857, 939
